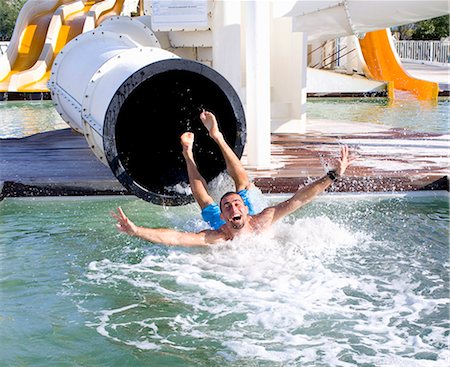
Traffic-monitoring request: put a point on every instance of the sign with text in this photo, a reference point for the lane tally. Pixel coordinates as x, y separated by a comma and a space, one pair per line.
177, 15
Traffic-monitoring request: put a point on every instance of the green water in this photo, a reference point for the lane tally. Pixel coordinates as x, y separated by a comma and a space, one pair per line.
405, 112
19, 119
346, 281
25, 118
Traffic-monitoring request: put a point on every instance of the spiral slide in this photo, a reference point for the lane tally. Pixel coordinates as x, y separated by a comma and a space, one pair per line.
42, 29
383, 64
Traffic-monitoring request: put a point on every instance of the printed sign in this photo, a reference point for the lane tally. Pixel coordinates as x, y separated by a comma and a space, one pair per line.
177, 15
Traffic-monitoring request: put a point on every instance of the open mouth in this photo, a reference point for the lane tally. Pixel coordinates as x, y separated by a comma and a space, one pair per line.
236, 218
237, 222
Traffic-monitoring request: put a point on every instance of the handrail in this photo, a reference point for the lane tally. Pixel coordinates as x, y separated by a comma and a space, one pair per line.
338, 58
425, 52
317, 48
338, 50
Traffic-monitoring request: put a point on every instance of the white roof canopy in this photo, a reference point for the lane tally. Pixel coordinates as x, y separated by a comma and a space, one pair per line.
324, 20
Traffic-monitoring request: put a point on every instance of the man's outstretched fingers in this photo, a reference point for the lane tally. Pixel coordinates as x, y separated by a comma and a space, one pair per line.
345, 160
122, 214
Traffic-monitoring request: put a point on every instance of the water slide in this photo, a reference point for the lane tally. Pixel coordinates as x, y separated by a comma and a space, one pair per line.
383, 64
42, 29
133, 99
369, 21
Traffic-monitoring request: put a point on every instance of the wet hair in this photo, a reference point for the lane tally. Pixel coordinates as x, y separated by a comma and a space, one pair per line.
225, 195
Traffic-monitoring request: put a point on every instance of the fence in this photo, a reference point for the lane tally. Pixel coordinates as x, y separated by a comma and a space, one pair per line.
427, 52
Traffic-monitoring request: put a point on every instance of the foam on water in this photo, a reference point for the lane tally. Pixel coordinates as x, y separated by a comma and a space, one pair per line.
344, 281
291, 295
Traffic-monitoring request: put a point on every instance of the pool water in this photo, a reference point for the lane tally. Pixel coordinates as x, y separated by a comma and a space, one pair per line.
346, 281
405, 112
24, 118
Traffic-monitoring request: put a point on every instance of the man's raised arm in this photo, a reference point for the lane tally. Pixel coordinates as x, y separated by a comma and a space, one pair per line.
165, 236
309, 192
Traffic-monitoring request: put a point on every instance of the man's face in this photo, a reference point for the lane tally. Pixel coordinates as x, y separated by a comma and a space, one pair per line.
234, 211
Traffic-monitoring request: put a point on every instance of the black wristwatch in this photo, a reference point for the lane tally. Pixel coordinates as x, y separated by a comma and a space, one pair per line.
333, 175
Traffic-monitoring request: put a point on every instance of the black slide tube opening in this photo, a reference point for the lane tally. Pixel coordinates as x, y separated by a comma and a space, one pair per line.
147, 116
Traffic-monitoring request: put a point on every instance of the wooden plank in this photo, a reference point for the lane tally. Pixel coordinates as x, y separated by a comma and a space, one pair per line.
53, 163
61, 163
390, 160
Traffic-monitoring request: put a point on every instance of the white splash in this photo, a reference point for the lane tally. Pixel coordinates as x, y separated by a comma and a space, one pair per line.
281, 297
180, 188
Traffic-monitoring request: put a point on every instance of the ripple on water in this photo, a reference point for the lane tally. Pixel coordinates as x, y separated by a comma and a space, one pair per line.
343, 282
278, 297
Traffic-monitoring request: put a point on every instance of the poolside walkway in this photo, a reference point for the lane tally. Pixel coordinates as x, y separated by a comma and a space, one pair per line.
54, 163
61, 163
387, 159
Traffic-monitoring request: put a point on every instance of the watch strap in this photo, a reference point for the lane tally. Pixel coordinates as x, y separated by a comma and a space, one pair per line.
333, 175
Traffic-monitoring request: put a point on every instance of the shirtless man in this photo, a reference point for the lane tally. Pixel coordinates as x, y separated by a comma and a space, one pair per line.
234, 215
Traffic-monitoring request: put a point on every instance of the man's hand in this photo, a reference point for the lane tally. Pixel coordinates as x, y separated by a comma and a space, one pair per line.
209, 121
123, 223
166, 236
305, 194
344, 161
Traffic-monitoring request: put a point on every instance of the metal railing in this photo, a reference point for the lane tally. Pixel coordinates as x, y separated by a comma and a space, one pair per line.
427, 52
3, 47
334, 55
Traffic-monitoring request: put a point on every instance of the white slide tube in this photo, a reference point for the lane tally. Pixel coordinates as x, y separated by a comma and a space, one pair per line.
132, 101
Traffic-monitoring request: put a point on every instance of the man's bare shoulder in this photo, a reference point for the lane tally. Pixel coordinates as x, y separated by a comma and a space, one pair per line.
213, 236
263, 220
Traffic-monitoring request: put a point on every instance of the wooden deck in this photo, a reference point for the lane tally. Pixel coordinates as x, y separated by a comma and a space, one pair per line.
61, 163
391, 160
52, 164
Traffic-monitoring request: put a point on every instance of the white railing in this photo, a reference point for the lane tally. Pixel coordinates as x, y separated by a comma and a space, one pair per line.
427, 52
3, 47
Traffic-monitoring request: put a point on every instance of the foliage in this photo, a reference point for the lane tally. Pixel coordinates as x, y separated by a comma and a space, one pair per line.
404, 32
9, 9
430, 29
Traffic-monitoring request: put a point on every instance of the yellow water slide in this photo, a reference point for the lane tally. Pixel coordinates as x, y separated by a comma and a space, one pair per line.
42, 29
383, 64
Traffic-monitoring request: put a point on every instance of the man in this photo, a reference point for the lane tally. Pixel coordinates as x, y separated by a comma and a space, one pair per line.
234, 215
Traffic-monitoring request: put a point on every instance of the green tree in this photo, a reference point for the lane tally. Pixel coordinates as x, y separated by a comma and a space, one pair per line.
9, 9
432, 29
404, 32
